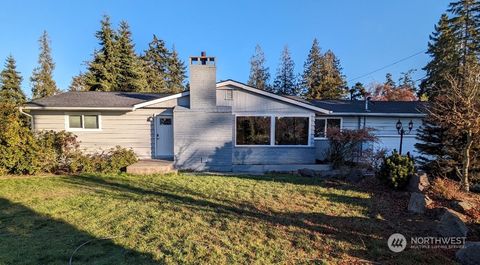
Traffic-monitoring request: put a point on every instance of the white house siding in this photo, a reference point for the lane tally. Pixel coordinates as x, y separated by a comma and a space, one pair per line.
131, 129
384, 129
247, 103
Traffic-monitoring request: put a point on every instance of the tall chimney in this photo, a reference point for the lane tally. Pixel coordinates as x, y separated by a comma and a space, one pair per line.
203, 82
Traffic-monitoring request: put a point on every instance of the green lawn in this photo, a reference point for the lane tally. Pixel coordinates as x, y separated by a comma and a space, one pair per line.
194, 219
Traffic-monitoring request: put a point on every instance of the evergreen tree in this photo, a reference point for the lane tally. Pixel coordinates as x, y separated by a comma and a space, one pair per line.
156, 62
312, 72
465, 26
259, 73
102, 70
10, 84
285, 82
43, 84
332, 84
176, 73
389, 81
129, 75
357, 92
78, 83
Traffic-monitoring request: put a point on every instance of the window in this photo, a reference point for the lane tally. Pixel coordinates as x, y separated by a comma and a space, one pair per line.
165, 121
253, 130
83, 121
291, 131
323, 124
228, 94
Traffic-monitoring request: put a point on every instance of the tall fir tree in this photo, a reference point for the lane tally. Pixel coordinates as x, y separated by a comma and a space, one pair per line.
285, 82
357, 91
43, 84
259, 74
453, 45
332, 83
102, 70
130, 75
312, 72
10, 84
177, 73
78, 83
156, 62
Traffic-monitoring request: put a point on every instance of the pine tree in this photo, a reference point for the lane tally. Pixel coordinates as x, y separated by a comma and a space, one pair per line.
156, 62
102, 70
285, 82
357, 92
78, 83
312, 72
259, 73
10, 84
130, 75
332, 83
176, 73
465, 26
389, 81
43, 84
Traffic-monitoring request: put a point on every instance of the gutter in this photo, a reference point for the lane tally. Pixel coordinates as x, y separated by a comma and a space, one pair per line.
413, 115
28, 115
80, 108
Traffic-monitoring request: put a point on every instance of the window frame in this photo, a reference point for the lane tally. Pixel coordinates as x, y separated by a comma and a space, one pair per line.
272, 129
82, 114
228, 94
326, 124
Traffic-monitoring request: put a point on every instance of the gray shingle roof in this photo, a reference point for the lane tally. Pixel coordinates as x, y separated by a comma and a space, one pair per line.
95, 99
358, 106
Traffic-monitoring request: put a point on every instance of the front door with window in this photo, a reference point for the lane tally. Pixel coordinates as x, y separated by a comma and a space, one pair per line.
164, 136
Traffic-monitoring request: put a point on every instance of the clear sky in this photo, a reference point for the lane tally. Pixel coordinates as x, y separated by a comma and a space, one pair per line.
365, 35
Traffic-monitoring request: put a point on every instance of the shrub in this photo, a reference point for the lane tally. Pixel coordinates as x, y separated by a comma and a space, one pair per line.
346, 146
396, 170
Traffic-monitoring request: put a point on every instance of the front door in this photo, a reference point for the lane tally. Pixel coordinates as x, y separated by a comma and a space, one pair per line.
164, 136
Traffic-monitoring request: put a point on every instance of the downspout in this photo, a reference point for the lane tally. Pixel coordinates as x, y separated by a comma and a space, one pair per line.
28, 115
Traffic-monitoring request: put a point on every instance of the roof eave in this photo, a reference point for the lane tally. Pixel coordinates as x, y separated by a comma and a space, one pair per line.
78, 108
380, 114
159, 100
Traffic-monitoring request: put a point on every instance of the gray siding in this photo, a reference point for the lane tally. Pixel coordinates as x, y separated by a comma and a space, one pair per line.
273, 155
203, 139
128, 129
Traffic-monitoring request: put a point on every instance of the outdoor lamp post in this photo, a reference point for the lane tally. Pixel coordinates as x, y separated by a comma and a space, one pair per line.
402, 131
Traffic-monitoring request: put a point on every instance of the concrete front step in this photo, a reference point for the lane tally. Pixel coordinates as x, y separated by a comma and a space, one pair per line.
291, 168
146, 167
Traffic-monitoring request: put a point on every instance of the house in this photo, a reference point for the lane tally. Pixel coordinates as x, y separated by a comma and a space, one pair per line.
224, 126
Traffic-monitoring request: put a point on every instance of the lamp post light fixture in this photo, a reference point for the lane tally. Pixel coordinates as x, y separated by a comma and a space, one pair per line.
402, 131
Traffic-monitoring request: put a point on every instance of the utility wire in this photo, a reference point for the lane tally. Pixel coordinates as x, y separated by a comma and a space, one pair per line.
386, 66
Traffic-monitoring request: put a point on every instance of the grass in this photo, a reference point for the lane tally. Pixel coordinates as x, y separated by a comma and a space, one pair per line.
197, 219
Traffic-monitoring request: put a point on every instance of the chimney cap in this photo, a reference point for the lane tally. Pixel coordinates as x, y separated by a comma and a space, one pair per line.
202, 59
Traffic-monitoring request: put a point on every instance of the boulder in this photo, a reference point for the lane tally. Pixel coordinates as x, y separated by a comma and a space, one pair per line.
306, 172
475, 188
418, 182
461, 206
418, 202
470, 254
451, 225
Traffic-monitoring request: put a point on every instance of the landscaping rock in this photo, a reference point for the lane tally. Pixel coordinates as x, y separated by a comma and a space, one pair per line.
306, 172
461, 206
470, 254
418, 202
418, 182
451, 225
475, 188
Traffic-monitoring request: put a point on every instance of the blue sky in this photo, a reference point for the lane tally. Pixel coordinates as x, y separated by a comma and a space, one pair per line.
365, 35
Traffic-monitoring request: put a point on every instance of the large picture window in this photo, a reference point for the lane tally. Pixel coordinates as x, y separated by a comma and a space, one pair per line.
323, 124
253, 130
291, 131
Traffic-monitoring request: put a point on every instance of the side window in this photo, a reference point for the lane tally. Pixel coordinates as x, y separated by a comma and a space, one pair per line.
228, 94
83, 122
322, 125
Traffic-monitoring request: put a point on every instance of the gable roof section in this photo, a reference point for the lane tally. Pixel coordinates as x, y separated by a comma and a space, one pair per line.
290, 100
96, 100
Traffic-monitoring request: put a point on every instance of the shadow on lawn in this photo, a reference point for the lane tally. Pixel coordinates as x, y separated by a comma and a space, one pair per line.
27, 237
369, 233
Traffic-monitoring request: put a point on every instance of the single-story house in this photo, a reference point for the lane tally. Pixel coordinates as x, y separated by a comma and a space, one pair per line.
220, 126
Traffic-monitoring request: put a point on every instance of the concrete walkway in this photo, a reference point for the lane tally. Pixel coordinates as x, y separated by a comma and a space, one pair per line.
153, 166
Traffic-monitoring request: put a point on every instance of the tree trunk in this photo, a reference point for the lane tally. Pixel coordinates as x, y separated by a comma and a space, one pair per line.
466, 162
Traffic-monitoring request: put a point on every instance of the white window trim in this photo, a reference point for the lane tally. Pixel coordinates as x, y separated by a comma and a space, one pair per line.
67, 122
325, 129
228, 92
272, 129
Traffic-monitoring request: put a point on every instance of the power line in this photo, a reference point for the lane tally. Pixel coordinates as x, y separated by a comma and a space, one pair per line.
386, 66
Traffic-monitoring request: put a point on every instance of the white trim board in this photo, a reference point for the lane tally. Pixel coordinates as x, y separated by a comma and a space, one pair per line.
271, 95
158, 100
